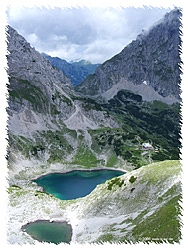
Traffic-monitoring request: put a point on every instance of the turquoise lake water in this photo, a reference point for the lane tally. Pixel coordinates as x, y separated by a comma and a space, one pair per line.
51, 232
75, 184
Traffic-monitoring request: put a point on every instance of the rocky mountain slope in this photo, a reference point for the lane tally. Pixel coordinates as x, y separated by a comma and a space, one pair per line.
40, 96
149, 65
52, 128
76, 71
35, 87
48, 122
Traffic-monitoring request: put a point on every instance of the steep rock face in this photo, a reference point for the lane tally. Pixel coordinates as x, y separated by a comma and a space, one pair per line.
40, 96
35, 87
149, 63
25, 63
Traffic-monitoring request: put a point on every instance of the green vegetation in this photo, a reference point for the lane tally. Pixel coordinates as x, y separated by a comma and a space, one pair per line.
87, 103
40, 193
152, 214
13, 188
156, 122
140, 122
121, 143
24, 90
16, 192
53, 142
24, 145
112, 160
161, 171
62, 98
108, 237
163, 225
115, 182
132, 179
142, 205
43, 195
85, 157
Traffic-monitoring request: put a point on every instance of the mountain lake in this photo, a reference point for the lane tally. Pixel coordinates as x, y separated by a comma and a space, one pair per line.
65, 186
51, 232
76, 183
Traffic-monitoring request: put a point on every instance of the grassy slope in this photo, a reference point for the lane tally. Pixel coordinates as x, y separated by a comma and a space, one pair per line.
141, 205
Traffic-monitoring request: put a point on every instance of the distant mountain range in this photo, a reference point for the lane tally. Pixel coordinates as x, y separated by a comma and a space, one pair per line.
76, 71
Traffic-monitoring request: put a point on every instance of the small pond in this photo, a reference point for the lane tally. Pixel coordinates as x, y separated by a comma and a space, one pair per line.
75, 184
51, 232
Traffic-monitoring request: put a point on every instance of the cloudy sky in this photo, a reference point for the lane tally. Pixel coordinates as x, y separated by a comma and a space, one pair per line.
81, 33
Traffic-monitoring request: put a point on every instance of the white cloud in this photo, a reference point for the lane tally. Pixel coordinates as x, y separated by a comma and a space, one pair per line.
95, 35
33, 38
101, 50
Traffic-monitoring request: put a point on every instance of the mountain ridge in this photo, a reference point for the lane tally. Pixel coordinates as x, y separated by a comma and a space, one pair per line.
150, 62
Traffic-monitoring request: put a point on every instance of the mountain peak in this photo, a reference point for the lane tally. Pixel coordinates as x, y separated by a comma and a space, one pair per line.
152, 58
